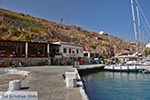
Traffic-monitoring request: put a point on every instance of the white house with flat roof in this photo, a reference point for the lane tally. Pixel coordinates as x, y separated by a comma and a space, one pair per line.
90, 54
70, 50
66, 52
148, 45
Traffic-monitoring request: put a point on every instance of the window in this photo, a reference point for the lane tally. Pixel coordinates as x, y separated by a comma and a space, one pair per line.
86, 54
77, 51
73, 50
81, 50
8, 49
65, 50
53, 50
69, 50
57, 50
37, 50
91, 54
96, 55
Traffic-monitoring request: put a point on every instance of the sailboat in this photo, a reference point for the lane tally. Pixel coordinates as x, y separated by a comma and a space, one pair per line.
131, 66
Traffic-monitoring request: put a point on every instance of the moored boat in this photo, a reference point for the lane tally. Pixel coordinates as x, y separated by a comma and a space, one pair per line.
128, 67
90, 67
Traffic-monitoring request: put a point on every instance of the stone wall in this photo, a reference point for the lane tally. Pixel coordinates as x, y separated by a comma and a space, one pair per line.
28, 61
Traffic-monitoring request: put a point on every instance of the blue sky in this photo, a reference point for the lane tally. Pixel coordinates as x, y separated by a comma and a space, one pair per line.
111, 16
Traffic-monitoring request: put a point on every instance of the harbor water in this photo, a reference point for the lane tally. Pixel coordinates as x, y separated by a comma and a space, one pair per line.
105, 85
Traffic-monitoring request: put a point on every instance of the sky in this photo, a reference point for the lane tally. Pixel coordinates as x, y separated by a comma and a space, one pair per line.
111, 16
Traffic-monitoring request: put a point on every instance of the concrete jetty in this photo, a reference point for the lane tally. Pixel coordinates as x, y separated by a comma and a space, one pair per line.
49, 83
6, 78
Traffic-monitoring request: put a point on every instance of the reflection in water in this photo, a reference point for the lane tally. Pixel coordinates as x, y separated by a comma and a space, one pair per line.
117, 86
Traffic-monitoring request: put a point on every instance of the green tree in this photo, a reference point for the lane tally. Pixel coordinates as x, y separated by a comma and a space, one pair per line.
12, 27
146, 53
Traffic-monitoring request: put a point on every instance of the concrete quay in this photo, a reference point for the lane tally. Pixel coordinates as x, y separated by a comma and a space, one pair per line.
5, 78
49, 83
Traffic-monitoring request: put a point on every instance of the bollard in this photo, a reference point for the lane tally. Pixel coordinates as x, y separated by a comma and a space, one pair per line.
71, 83
14, 85
71, 79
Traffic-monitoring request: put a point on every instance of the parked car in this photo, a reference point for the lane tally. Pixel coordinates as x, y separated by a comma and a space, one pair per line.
2, 63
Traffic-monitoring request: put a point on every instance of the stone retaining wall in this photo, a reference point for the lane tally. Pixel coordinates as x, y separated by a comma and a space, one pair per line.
28, 61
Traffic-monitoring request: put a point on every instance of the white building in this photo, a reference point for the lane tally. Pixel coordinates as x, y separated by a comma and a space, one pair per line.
101, 33
69, 49
148, 45
90, 54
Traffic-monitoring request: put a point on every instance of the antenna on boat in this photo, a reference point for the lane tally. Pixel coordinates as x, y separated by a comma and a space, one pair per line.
134, 24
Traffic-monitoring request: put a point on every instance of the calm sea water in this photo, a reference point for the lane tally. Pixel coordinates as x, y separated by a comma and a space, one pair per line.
117, 86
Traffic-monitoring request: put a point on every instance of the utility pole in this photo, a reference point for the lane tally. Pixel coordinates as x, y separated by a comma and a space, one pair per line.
61, 21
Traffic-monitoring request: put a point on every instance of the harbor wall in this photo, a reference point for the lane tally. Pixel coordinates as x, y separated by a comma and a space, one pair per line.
81, 87
27, 61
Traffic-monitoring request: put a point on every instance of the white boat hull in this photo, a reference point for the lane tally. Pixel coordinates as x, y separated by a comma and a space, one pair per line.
127, 68
94, 66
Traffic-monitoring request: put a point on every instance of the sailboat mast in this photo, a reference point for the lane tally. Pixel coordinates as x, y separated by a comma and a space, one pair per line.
134, 24
139, 24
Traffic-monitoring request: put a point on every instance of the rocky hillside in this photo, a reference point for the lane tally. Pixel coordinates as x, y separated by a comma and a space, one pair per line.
21, 27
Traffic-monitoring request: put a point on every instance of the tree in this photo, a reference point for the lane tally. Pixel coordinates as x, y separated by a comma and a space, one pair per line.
145, 53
